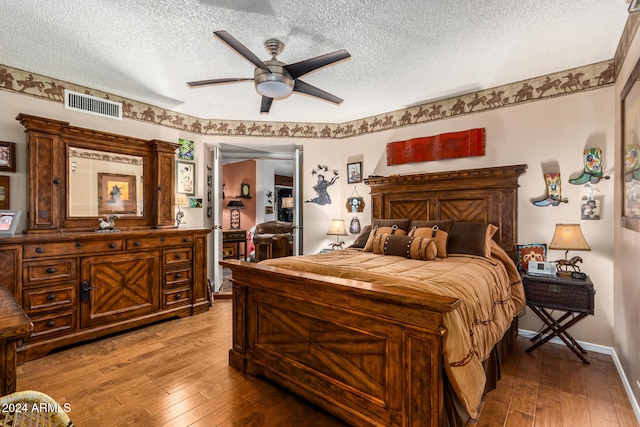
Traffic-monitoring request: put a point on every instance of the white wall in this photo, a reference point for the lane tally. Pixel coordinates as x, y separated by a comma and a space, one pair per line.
555, 130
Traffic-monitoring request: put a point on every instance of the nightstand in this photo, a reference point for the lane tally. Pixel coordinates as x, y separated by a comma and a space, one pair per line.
572, 296
235, 236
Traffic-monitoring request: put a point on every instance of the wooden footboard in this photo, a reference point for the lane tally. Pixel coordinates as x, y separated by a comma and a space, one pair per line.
369, 355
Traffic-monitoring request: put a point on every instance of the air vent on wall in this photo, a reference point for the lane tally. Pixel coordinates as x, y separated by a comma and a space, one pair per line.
92, 105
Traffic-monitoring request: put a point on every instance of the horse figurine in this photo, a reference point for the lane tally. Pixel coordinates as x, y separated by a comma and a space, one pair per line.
336, 245
566, 263
107, 226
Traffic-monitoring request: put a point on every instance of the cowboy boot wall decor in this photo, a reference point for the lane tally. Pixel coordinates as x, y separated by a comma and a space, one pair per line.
592, 168
554, 197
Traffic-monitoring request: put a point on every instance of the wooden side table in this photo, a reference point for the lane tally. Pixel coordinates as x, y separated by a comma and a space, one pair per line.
572, 296
237, 237
14, 327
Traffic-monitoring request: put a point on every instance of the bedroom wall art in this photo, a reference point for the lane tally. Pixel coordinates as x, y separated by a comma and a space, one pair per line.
592, 158
7, 156
322, 184
554, 194
453, 145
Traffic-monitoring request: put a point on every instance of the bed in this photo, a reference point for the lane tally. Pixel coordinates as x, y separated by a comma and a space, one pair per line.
374, 348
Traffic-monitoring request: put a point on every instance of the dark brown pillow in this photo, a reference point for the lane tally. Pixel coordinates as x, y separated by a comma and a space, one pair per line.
437, 230
362, 238
386, 226
471, 238
421, 248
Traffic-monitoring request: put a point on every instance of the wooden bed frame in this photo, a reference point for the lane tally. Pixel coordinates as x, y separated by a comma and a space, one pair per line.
369, 355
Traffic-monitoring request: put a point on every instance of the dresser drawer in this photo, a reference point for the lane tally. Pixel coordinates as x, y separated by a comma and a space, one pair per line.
177, 256
37, 273
36, 300
234, 234
561, 296
176, 297
158, 242
49, 325
47, 250
176, 277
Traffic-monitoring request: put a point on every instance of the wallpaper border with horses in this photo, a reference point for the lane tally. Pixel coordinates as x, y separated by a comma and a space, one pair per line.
576, 80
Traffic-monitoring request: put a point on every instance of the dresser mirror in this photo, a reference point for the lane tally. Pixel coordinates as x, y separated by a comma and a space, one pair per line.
103, 183
78, 176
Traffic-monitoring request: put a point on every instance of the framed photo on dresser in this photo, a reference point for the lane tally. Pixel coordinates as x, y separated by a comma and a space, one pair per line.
8, 222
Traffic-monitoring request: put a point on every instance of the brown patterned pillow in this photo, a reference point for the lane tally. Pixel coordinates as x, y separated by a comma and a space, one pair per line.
386, 226
437, 230
471, 238
362, 238
421, 248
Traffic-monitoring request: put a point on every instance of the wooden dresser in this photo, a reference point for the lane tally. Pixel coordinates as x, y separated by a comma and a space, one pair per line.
81, 285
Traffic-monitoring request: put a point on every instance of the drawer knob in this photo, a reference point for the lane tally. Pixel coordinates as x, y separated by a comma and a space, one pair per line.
51, 270
136, 243
77, 244
39, 250
185, 239
178, 295
112, 245
178, 256
178, 275
51, 323
51, 297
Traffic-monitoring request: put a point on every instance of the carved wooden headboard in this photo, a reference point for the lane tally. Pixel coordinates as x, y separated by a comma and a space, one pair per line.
476, 195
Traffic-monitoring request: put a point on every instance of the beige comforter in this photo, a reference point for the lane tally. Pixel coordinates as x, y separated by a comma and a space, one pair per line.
490, 291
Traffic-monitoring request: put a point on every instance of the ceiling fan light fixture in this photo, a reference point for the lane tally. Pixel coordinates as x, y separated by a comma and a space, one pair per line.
274, 89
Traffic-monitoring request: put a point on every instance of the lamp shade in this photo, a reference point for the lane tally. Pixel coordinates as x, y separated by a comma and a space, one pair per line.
337, 228
287, 202
235, 204
569, 237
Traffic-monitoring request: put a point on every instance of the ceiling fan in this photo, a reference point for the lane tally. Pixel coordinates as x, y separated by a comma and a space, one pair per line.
274, 79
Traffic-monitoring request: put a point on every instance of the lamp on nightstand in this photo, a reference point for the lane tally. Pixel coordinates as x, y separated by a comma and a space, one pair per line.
337, 229
568, 237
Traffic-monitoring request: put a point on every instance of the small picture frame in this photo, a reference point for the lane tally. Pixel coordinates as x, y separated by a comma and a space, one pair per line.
185, 178
590, 209
7, 156
185, 151
117, 194
195, 202
268, 210
8, 222
354, 172
5, 199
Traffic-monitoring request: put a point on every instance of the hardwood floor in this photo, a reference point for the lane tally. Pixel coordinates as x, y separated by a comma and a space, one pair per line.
176, 374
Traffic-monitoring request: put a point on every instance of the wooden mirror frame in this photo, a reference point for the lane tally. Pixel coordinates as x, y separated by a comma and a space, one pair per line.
627, 110
48, 150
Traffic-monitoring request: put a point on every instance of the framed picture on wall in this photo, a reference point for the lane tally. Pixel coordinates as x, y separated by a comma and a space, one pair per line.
8, 222
186, 178
630, 172
116, 194
7, 156
354, 172
5, 200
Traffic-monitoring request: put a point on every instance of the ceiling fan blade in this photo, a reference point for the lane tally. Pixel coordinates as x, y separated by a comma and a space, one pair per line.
302, 68
265, 106
308, 89
216, 82
241, 49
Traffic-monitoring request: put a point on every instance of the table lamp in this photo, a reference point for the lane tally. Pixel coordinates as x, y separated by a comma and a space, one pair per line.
337, 229
235, 205
568, 237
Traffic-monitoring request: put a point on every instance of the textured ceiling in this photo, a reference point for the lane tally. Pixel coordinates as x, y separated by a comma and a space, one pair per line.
404, 52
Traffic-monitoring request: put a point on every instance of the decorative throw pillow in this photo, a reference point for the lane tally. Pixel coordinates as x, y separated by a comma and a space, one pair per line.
386, 226
471, 238
362, 238
535, 252
437, 230
421, 248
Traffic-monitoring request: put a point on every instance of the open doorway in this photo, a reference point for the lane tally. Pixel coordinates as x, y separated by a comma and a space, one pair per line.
266, 181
